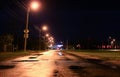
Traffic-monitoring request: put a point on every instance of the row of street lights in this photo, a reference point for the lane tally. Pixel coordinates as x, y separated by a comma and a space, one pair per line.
34, 5
48, 39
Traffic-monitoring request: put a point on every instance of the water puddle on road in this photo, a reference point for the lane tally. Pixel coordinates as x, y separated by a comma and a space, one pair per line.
32, 57
25, 60
6, 66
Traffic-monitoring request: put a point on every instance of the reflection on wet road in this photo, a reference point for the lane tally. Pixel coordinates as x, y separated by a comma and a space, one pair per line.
51, 64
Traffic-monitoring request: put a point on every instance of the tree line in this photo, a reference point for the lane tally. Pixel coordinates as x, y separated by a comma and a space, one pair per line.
9, 42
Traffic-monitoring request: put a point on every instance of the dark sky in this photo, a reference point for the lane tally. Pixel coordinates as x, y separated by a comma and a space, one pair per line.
67, 19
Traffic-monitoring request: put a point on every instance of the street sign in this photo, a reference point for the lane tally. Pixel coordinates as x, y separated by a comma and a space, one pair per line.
26, 31
26, 35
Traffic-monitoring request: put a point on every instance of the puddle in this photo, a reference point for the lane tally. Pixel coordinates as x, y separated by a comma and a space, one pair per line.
25, 60
80, 71
55, 73
75, 67
32, 57
6, 66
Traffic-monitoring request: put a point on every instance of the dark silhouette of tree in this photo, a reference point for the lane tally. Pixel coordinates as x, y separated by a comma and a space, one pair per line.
6, 42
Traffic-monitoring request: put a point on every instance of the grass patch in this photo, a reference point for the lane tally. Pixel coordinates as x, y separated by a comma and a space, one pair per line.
10, 55
106, 55
103, 54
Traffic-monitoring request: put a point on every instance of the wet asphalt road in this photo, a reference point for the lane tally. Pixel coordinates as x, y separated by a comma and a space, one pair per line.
50, 64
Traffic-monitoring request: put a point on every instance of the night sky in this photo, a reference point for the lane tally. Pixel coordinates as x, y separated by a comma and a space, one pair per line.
67, 19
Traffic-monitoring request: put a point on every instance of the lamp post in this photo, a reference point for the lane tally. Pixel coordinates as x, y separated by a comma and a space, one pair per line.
41, 31
45, 28
34, 6
26, 31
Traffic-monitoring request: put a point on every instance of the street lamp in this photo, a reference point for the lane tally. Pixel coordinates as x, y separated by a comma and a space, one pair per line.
51, 41
33, 6
47, 35
44, 28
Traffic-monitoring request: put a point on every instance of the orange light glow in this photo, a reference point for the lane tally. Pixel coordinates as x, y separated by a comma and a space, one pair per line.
44, 28
35, 5
47, 35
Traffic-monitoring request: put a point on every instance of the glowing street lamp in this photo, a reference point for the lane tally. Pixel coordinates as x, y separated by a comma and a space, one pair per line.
51, 41
44, 28
47, 35
33, 6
